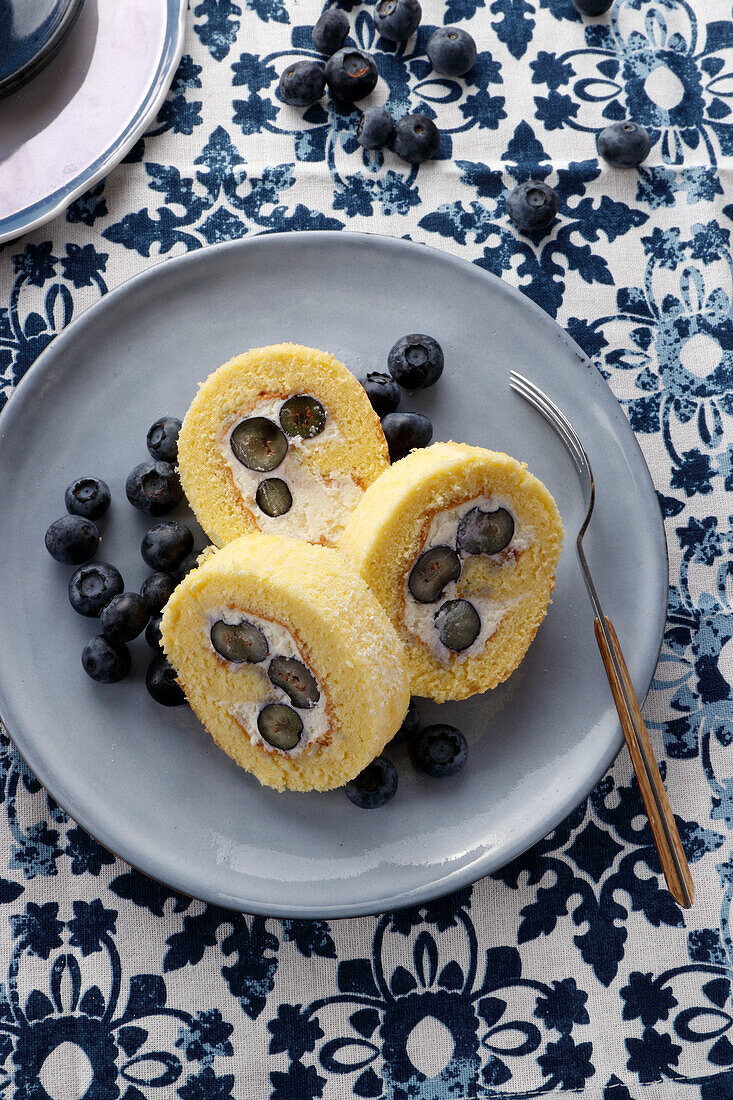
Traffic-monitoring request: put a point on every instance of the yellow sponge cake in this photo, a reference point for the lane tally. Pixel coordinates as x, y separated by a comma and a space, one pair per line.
459, 544
288, 660
282, 440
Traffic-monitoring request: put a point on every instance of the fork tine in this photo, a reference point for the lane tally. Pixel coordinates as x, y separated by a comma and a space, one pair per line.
555, 417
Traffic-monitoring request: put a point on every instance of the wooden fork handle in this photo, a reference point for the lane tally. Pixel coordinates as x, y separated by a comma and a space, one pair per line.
654, 796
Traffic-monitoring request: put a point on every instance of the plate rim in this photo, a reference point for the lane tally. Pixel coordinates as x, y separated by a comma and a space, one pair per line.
38, 61
170, 57
477, 868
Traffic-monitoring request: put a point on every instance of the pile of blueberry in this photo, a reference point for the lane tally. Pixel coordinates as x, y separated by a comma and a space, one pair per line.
96, 588
438, 750
414, 363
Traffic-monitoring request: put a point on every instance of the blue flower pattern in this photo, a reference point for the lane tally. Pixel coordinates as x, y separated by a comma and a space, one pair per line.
570, 970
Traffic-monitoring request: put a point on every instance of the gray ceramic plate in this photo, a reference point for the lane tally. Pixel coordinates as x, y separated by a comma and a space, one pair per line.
149, 782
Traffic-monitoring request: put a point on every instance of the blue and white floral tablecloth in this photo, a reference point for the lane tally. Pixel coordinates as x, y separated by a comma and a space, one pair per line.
571, 969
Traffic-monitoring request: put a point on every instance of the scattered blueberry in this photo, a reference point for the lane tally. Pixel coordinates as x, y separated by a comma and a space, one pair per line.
382, 391
153, 487
163, 439
92, 586
105, 661
72, 540
156, 590
439, 751
374, 786
416, 138
404, 431
165, 546
88, 497
187, 565
624, 144
376, 127
124, 617
416, 361
410, 726
532, 206
303, 83
452, 51
160, 680
351, 74
153, 635
397, 20
592, 7
329, 33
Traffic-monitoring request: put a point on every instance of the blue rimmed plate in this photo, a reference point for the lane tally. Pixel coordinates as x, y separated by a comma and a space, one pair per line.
148, 782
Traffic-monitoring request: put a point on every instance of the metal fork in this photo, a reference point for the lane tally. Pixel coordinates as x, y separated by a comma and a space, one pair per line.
656, 803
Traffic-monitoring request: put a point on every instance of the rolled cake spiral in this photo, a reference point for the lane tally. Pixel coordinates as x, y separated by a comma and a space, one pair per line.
283, 440
459, 545
288, 660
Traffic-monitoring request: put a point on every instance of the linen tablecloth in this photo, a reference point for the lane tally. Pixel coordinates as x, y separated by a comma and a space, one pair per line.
571, 969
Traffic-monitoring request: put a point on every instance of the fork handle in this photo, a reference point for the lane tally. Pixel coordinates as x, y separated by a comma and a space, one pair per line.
654, 796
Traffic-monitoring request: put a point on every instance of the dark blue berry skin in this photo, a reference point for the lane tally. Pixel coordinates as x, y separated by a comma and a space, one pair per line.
374, 786
409, 727
329, 33
382, 391
92, 586
592, 7
88, 497
375, 129
153, 487
160, 681
416, 138
404, 432
397, 20
72, 540
156, 590
187, 565
302, 84
163, 439
439, 751
105, 661
532, 206
624, 144
153, 636
124, 617
452, 51
351, 74
165, 546
416, 361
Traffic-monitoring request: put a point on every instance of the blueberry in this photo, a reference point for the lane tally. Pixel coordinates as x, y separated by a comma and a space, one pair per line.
458, 624
624, 144
410, 726
405, 431
452, 51
88, 497
351, 74
374, 786
382, 391
280, 726
156, 590
163, 439
416, 138
294, 678
72, 540
302, 84
124, 617
432, 571
397, 20
153, 487
416, 361
482, 532
258, 444
532, 206
160, 680
273, 497
240, 643
105, 661
439, 751
166, 545
592, 7
302, 416
376, 127
329, 33
92, 586
153, 634
187, 565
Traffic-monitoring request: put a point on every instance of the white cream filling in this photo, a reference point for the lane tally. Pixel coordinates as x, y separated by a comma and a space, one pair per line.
281, 643
321, 505
420, 617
